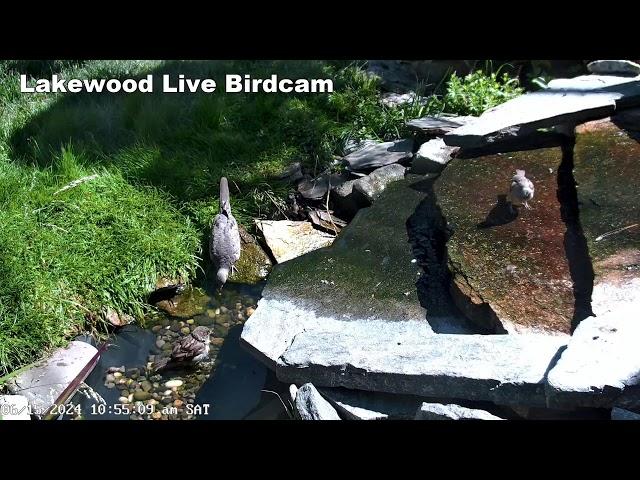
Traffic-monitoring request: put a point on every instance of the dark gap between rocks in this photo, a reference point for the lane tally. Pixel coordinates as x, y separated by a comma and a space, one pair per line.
428, 235
575, 242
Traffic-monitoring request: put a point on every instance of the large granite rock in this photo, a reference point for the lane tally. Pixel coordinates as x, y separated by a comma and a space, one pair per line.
288, 240
311, 406
438, 411
44, 382
566, 101
380, 154
350, 316
432, 157
509, 273
613, 67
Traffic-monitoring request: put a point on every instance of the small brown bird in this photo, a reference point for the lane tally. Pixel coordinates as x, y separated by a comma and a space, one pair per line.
521, 191
189, 350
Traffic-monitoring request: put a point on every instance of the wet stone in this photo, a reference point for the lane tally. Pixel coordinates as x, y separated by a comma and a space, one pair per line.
510, 272
606, 170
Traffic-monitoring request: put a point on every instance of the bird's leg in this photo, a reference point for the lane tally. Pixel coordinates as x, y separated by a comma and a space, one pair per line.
233, 269
526, 205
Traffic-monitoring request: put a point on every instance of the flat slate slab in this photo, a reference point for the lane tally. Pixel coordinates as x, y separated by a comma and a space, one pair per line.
612, 67
288, 239
380, 154
504, 369
510, 273
438, 411
438, 125
606, 170
601, 364
567, 101
43, 383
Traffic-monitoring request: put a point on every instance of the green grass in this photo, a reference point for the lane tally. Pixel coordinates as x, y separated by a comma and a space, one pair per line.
65, 257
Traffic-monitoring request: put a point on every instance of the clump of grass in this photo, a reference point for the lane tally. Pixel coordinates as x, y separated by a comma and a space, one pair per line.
478, 91
65, 257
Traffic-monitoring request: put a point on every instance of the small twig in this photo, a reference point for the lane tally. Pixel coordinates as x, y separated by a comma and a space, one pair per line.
77, 182
280, 398
335, 228
613, 232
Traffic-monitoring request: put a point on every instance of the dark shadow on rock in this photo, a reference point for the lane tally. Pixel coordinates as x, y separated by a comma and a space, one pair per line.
428, 235
575, 242
500, 214
517, 143
234, 389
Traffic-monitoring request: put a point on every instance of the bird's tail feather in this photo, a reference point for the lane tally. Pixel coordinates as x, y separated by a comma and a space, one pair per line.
225, 202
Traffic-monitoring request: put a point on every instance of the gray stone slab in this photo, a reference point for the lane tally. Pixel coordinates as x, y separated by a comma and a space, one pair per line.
622, 414
569, 101
438, 125
380, 154
439, 411
46, 380
364, 405
311, 406
432, 157
612, 67
371, 186
600, 363
504, 369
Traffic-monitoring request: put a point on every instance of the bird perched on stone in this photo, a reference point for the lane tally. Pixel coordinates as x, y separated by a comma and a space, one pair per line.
521, 191
189, 350
224, 246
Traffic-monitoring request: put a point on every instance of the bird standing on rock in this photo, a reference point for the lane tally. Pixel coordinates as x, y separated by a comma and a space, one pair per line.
224, 247
189, 350
521, 191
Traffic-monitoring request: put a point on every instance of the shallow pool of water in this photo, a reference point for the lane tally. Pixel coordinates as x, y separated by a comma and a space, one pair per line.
231, 385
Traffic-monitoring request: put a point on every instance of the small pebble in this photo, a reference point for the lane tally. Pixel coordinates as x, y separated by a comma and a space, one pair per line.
185, 331
110, 385
217, 341
117, 374
174, 383
141, 395
146, 386
124, 393
178, 403
123, 399
110, 378
160, 343
156, 415
156, 328
249, 311
191, 321
222, 309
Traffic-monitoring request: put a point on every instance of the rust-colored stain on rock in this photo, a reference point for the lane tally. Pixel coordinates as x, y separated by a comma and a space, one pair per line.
517, 266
